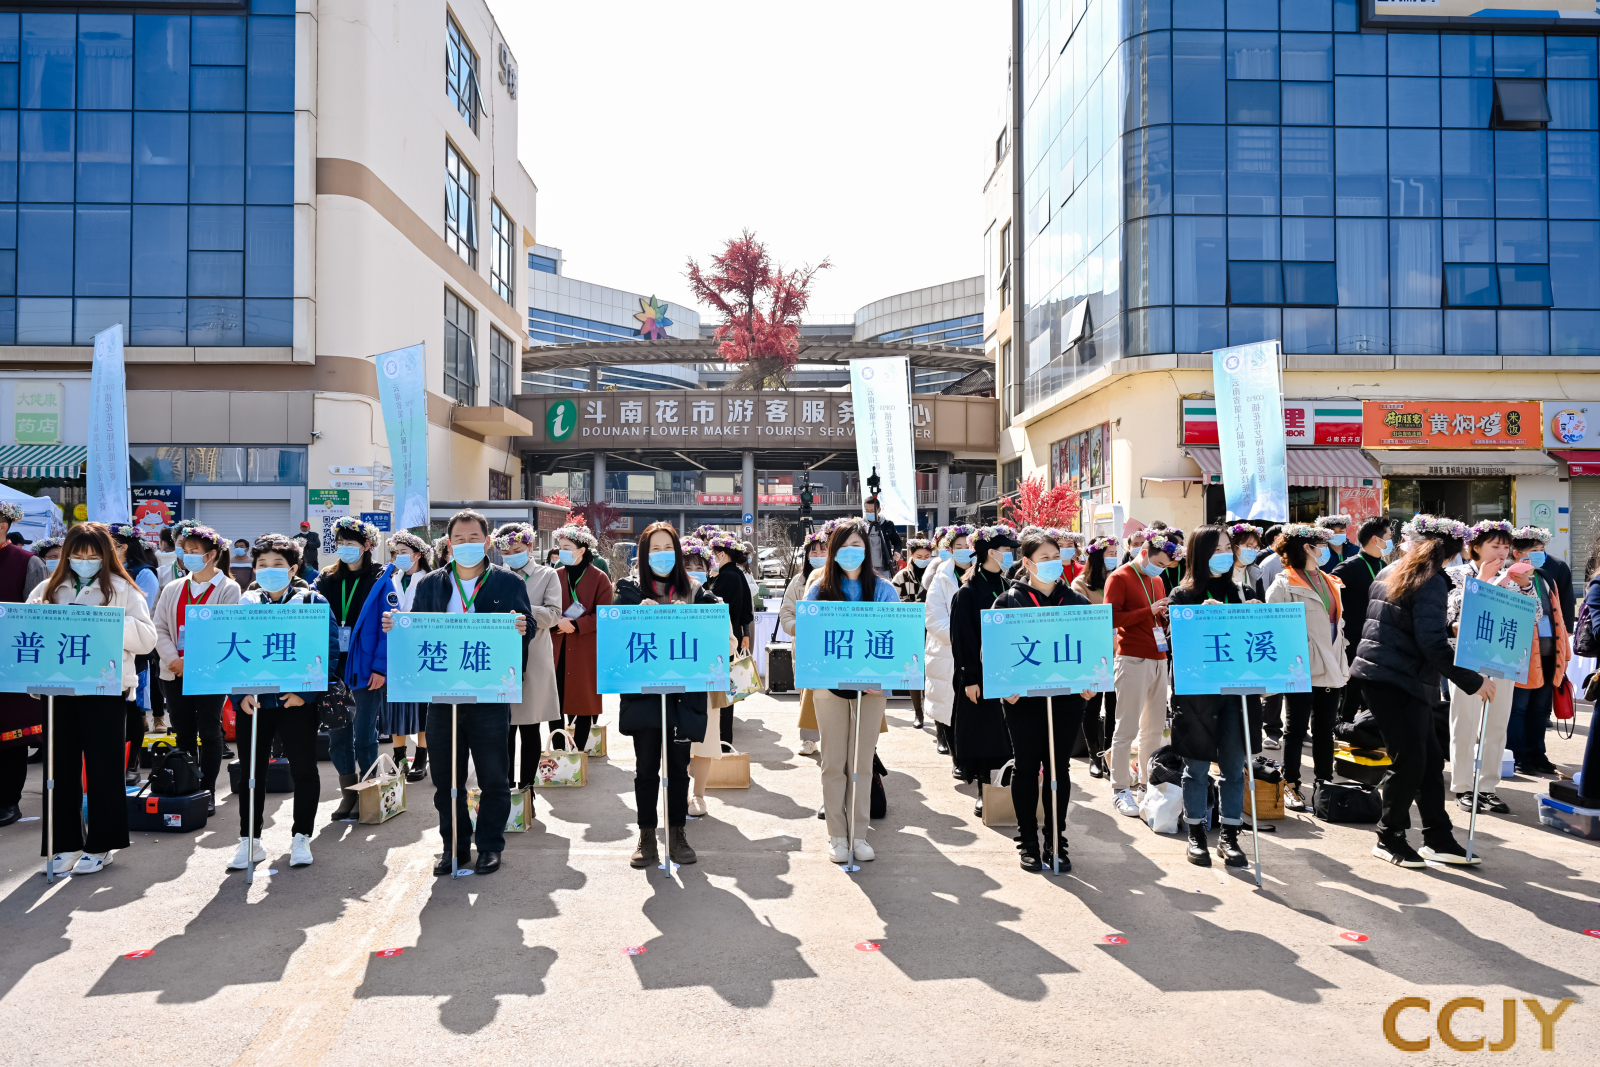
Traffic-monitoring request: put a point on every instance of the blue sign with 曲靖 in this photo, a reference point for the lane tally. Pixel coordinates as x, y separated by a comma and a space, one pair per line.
662, 645
1062, 648
1496, 631
1239, 646
441, 658
250, 646
61, 646
849, 644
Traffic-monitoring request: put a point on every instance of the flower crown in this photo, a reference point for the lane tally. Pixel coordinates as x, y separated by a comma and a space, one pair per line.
693, 546
353, 527
405, 539
997, 532
726, 543
1435, 527
705, 532
45, 544
1069, 537
442, 543
1305, 532
196, 532
915, 543
511, 539
1532, 533
1243, 529
953, 532
854, 521
273, 542
10, 512
1160, 541
815, 537
938, 533
123, 530
578, 535
1489, 526
1326, 521
1102, 544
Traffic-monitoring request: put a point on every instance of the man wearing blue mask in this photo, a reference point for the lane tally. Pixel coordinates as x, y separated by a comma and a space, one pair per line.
1340, 547
883, 538
1357, 574
1531, 707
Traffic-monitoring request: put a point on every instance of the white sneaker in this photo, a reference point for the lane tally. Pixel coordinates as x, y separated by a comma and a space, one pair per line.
697, 805
1125, 803
242, 856
61, 863
92, 862
864, 851
300, 851
808, 747
839, 850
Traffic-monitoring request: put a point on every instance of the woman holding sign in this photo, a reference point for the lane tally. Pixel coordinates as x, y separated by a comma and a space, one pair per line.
90, 730
981, 743
584, 587
347, 584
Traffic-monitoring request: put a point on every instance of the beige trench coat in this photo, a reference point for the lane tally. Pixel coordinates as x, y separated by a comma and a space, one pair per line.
539, 700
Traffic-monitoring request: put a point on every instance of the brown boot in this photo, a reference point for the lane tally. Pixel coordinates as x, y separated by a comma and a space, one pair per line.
647, 854
678, 846
349, 801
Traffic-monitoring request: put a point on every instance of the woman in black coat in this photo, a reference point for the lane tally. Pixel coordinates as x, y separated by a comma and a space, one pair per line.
980, 741
1404, 648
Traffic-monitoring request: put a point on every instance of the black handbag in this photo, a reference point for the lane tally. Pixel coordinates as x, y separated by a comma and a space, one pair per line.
1346, 802
173, 772
337, 708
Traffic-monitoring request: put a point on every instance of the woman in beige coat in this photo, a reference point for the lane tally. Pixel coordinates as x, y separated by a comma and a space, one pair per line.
540, 702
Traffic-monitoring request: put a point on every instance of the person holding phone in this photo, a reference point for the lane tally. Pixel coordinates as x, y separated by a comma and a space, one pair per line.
1532, 703
1138, 597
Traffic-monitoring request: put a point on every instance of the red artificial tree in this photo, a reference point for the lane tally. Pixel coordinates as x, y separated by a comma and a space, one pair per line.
1034, 505
597, 515
763, 340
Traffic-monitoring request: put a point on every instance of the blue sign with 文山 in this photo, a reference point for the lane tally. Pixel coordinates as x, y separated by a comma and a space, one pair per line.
1069, 648
662, 645
1496, 632
248, 646
61, 646
1239, 646
443, 657
851, 644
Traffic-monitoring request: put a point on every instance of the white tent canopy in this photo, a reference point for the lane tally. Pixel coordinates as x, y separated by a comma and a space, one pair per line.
39, 513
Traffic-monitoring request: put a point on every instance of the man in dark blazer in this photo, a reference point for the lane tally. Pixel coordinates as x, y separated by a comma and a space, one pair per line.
1357, 574
471, 583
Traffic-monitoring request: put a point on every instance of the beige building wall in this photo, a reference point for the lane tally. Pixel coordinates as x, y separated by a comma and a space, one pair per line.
997, 314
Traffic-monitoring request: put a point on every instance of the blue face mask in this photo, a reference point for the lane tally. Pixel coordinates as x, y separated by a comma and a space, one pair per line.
350, 555
663, 562
1250, 555
86, 568
568, 557
1537, 559
1388, 545
1322, 555
273, 579
1049, 570
817, 561
516, 561
1006, 560
50, 565
1222, 563
1337, 539
402, 563
851, 556
1068, 552
468, 555
1150, 569
944, 553
918, 563
964, 556
194, 561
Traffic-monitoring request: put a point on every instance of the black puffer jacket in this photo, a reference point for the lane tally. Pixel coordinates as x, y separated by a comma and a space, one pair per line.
686, 712
1195, 717
1406, 643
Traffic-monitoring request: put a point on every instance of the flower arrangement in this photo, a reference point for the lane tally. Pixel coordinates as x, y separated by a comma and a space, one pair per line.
815, 537
1102, 545
1326, 522
354, 529
705, 532
204, 534
1435, 527
124, 531
10, 512
725, 543
578, 535
1162, 541
997, 532
1305, 532
693, 546
1532, 533
1487, 527
1243, 529
952, 532
514, 538
45, 544
915, 543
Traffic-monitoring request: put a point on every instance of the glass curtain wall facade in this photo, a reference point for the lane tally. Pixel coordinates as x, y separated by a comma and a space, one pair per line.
1211, 172
147, 177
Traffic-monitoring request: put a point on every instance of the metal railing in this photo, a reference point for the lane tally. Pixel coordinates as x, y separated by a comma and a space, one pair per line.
930, 497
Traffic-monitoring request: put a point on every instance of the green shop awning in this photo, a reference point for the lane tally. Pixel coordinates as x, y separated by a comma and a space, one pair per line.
43, 461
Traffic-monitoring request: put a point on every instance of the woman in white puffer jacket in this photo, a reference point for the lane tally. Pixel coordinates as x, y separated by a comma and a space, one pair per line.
939, 695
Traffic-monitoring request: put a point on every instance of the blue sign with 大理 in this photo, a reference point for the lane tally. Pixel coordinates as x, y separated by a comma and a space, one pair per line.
662, 645
1239, 646
61, 646
849, 644
441, 658
250, 646
1496, 631
1069, 648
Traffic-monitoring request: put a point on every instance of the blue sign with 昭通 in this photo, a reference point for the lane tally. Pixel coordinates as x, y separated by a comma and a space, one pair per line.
662, 645
1495, 636
247, 646
61, 646
850, 644
1238, 646
442, 657
1071, 647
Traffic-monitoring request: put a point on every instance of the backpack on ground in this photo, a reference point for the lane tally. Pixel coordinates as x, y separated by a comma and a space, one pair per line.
173, 772
1346, 802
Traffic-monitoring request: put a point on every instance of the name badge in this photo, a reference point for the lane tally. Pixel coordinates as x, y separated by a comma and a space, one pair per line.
575, 611
1333, 630
181, 628
1545, 629
393, 599
1161, 638
344, 639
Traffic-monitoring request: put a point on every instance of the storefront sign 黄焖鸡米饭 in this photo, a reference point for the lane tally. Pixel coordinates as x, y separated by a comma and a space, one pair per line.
1457, 424
662, 645
1070, 648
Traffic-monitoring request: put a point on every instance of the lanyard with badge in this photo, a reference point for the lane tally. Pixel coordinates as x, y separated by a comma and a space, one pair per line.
1156, 631
575, 609
1543, 597
1325, 594
466, 601
347, 593
184, 600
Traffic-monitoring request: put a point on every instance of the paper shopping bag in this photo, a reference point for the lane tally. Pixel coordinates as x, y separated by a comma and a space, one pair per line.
381, 793
731, 770
562, 766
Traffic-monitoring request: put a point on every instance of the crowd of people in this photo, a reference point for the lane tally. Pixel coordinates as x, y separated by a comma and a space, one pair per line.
1382, 605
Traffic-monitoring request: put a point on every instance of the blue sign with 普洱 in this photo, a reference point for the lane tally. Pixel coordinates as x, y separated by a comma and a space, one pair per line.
661, 645
1234, 646
61, 646
851, 644
246, 646
1496, 632
1024, 649
440, 658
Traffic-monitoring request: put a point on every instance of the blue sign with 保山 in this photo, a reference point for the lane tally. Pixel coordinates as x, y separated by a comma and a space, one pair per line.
1495, 636
441, 658
61, 646
1239, 646
850, 644
662, 645
256, 646
1070, 648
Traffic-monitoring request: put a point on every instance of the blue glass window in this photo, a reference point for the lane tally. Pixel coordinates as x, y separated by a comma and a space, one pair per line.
1575, 265
93, 315
1306, 15
1252, 14
1471, 285
161, 252
1255, 283
1468, 165
9, 89
8, 272
1253, 237
1521, 241
1308, 239
101, 264
1363, 176
1307, 103
44, 250
217, 41
1253, 102
1147, 171
1572, 104
271, 64
1524, 333
1253, 170
269, 251
1466, 102
10, 43
1413, 101
1415, 54
1253, 56
216, 273
1199, 183
216, 323
49, 44
1359, 101
1525, 285
8, 226
1199, 260
216, 228
44, 320
1414, 263
1519, 57
1519, 171
1362, 331
1147, 84
269, 159
105, 156
1308, 331
1250, 325
1569, 57
1468, 240
1148, 331
1574, 175
1308, 57
270, 322
46, 155
1199, 329
105, 62
216, 158
1148, 262
543, 264
1311, 283
157, 322
1197, 77
216, 88
1414, 173
1363, 256
271, 7
161, 62
1416, 333
160, 157
1469, 333
8, 155
1466, 55
1575, 333
1198, 14
1360, 55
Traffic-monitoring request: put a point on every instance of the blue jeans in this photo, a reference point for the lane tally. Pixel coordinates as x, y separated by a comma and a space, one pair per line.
1230, 760
355, 748
1530, 719
482, 730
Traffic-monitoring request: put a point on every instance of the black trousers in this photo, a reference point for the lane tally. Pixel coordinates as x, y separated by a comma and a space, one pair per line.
532, 745
1272, 714
1099, 722
13, 774
725, 723
133, 732
1320, 710
1407, 725
578, 727
197, 716
481, 728
296, 730
1028, 725
1352, 702
647, 777
88, 741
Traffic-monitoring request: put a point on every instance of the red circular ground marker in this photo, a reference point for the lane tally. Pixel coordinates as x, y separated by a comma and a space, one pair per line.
1353, 937
635, 950
139, 954
867, 946
384, 953
1114, 939
1593, 933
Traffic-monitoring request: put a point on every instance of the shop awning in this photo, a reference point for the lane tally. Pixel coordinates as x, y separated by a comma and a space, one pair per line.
43, 461
1307, 466
1486, 463
1580, 462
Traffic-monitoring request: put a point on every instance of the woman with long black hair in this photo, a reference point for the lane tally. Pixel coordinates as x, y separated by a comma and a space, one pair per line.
346, 584
1100, 714
981, 743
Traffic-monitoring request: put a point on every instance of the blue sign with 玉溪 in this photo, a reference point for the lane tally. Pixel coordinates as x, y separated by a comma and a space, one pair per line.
249, 646
662, 645
438, 657
850, 644
1069, 648
1496, 631
1239, 646
61, 646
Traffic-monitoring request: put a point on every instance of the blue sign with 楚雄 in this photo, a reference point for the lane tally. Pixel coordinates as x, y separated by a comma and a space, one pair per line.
849, 644
1069, 648
61, 646
1496, 631
249, 646
662, 645
435, 657
1239, 646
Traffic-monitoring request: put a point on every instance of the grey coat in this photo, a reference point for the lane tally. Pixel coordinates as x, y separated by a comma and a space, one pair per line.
539, 700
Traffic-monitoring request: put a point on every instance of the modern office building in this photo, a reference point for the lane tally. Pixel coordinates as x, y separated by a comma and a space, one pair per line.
948, 315
1410, 202
265, 193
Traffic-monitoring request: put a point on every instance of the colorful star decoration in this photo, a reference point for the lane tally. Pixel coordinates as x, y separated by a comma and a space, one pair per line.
653, 321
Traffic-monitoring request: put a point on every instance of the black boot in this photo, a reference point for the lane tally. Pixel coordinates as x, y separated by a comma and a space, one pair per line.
1228, 849
1049, 857
647, 854
419, 769
678, 846
1028, 846
1199, 851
